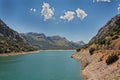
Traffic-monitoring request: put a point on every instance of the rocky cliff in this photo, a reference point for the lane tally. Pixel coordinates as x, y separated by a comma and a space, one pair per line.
12, 41
100, 58
42, 41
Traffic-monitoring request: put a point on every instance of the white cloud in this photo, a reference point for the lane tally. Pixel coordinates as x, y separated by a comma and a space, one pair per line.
101, 1
47, 11
69, 16
81, 13
33, 10
118, 8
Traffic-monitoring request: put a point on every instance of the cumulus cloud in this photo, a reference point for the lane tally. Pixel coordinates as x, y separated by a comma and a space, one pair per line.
68, 15
47, 11
118, 8
33, 10
81, 13
101, 0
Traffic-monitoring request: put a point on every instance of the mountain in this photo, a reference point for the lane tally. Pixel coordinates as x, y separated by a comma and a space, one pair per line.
50, 42
109, 34
100, 58
12, 41
79, 43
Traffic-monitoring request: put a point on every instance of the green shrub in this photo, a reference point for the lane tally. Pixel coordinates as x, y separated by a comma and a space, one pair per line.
91, 51
101, 41
111, 59
115, 37
78, 50
85, 46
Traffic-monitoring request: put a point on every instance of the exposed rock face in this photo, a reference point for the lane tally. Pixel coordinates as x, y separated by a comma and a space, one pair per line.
12, 41
112, 28
51, 42
95, 69
97, 57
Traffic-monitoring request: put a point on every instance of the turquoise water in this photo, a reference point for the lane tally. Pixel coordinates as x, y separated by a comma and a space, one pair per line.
45, 65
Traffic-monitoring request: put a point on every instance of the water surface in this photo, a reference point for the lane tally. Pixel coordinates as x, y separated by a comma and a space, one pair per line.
45, 65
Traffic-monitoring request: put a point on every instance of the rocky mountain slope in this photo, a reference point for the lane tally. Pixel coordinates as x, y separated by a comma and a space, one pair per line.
51, 42
100, 58
12, 41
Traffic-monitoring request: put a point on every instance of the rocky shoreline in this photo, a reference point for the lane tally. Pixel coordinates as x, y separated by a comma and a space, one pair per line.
100, 58
93, 68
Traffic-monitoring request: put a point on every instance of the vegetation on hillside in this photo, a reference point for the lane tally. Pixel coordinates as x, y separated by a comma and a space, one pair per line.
106, 40
11, 41
111, 59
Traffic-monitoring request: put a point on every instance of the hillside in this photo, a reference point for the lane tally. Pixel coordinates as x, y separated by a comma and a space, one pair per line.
12, 41
100, 58
51, 42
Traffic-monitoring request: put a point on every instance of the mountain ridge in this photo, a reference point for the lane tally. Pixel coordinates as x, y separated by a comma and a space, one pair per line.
100, 58
51, 42
12, 41
108, 28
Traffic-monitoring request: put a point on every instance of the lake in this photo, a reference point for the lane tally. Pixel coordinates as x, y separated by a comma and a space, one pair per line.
45, 65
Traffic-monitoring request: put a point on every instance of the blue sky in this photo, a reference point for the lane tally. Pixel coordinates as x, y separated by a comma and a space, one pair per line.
74, 19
